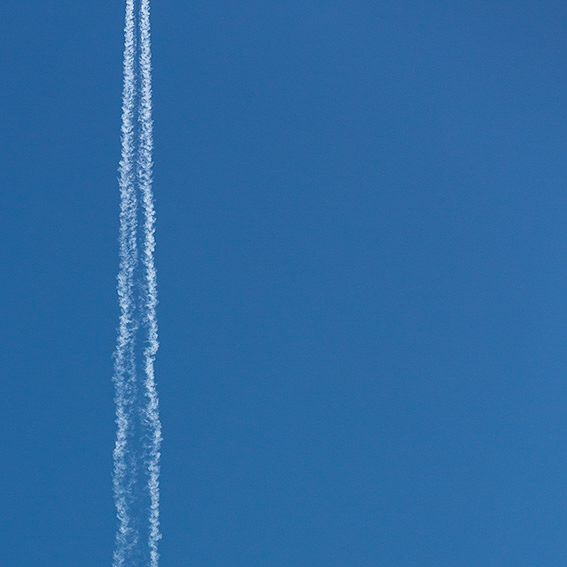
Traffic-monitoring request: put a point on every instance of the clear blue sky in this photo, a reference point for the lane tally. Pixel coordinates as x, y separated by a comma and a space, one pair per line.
362, 255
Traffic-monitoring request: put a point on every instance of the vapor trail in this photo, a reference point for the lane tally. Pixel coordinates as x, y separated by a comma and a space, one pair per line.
124, 361
153, 442
138, 437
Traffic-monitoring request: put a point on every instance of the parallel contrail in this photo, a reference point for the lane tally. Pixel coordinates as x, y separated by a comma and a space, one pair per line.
138, 436
124, 362
153, 443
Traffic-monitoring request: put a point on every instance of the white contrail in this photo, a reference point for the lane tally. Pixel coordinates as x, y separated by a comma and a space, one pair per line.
152, 420
124, 362
137, 442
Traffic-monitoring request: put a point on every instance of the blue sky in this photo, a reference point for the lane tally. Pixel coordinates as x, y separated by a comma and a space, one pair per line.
362, 274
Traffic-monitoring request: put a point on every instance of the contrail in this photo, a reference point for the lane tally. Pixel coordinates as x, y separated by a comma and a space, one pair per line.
138, 437
153, 443
124, 361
